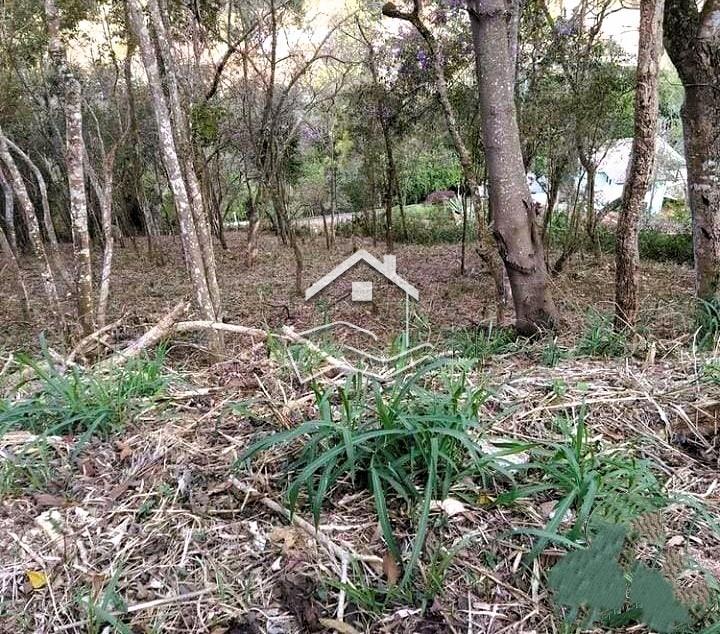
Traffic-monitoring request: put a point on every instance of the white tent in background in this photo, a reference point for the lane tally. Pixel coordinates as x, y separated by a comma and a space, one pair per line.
669, 179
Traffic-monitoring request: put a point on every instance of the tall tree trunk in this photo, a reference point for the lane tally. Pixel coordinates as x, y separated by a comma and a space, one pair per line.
642, 160
692, 39
487, 250
33, 228
9, 211
515, 225
188, 232
8, 253
184, 144
75, 152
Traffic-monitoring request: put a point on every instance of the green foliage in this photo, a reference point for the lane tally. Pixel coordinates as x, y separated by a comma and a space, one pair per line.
67, 404
593, 486
429, 172
424, 224
406, 443
552, 353
599, 339
653, 244
707, 323
76, 402
666, 247
206, 120
483, 343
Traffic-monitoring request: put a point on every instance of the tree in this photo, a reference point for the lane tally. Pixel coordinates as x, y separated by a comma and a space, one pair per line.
642, 160
514, 219
7, 251
195, 262
74, 159
9, 216
33, 227
486, 250
692, 39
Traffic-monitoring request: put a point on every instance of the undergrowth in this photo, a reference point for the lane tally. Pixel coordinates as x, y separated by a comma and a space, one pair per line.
408, 443
599, 338
74, 404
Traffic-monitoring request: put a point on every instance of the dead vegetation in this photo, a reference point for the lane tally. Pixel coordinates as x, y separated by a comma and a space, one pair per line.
158, 527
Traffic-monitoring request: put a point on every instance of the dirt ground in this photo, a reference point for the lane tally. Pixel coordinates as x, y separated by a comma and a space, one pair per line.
143, 289
160, 526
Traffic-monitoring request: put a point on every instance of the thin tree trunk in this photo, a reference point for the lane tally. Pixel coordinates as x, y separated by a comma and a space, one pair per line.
642, 160
9, 254
514, 222
188, 231
75, 151
47, 216
104, 193
33, 228
9, 211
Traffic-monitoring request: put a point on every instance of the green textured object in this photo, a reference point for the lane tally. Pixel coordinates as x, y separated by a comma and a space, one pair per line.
661, 611
592, 578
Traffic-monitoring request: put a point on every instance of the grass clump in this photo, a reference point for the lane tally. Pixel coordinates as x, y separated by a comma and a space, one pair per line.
592, 486
71, 403
600, 339
483, 343
79, 402
408, 443
707, 323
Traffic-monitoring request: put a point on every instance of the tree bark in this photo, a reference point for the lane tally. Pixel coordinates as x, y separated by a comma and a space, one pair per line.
7, 251
47, 216
9, 211
642, 160
188, 231
33, 227
75, 151
486, 249
515, 225
692, 39
184, 144
104, 193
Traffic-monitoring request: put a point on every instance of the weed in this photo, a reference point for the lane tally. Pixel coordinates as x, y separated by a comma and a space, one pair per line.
71, 403
408, 443
483, 343
593, 486
600, 338
707, 323
552, 353
77, 402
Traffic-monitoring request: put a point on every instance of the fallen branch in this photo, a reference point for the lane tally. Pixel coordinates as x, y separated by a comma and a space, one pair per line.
339, 552
141, 606
158, 332
190, 326
91, 338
